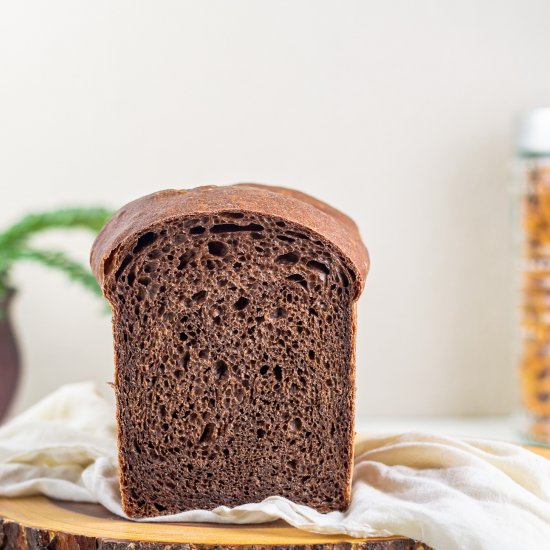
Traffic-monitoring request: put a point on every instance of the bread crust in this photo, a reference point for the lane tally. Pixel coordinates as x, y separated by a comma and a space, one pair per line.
288, 204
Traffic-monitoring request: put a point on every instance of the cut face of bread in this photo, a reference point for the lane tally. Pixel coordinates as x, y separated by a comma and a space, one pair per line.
234, 336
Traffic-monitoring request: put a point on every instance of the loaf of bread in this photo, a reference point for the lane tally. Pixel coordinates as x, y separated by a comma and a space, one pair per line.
234, 336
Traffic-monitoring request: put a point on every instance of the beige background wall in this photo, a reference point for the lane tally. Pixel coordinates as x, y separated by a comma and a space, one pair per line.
400, 113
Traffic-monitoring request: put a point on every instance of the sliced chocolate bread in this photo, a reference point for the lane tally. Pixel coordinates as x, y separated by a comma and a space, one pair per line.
234, 336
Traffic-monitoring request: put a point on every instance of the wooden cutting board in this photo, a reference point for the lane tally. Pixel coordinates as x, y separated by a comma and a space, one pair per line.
38, 522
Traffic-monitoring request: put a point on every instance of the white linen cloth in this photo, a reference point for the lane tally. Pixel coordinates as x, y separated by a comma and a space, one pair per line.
449, 493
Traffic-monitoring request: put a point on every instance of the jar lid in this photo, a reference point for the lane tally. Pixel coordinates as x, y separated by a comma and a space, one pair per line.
534, 133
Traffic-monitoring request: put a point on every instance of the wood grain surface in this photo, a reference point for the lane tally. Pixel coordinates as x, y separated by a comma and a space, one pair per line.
41, 523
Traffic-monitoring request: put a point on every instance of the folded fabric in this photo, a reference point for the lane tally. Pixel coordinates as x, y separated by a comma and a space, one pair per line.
449, 493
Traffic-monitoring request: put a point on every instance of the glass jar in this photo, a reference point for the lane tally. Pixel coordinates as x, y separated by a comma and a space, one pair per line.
534, 196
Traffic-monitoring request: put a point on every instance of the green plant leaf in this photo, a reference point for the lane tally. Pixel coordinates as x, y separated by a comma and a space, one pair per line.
60, 261
14, 243
86, 218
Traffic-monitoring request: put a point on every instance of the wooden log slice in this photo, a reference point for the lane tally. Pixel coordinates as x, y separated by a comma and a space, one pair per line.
40, 523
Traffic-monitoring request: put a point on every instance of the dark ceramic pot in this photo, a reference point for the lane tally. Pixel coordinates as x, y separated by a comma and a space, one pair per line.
9, 357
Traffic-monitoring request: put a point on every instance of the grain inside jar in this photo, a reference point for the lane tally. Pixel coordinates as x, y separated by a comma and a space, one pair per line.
535, 276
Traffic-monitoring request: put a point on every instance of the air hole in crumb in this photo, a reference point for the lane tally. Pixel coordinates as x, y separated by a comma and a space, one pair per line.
278, 373
311, 354
178, 373
292, 464
144, 281
296, 424
123, 265
207, 433
234, 228
241, 303
203, 353
185, 360
145, 240
264, 369
185, 258
293, 388
298, 278
217, 248
199, 296
345, 280
108, 264
280, 224
286, 239
183, 336
239, 395
299, 235
289, 258
320, 268
131, 278
159, 507
278, 313
221, 370
260, 432
197, 230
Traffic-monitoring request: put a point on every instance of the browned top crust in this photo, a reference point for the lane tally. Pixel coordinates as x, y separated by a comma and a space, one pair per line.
288, 204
